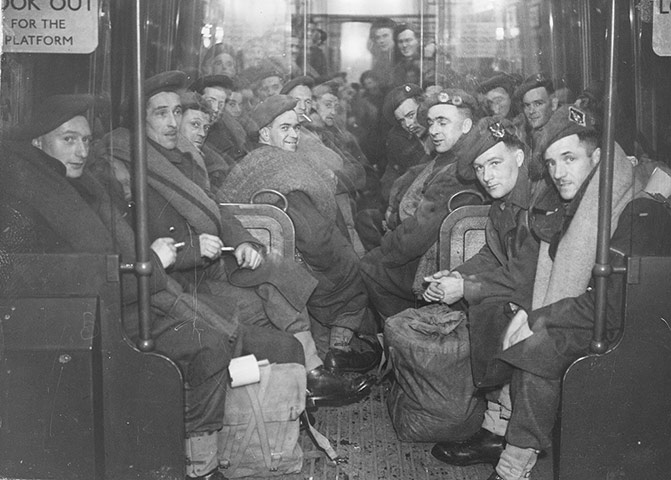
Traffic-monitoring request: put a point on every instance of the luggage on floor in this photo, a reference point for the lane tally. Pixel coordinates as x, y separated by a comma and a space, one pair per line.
433, 398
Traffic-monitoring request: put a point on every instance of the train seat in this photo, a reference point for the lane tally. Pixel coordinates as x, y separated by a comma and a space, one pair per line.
462, 235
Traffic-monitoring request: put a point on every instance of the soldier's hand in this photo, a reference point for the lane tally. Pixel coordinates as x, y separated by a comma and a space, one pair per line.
165, 250
210, 246
247, 256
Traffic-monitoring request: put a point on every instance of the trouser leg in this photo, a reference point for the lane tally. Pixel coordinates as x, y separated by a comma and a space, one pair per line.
498, 411
535, 403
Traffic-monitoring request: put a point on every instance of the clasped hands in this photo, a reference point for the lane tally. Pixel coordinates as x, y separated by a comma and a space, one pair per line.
444, 286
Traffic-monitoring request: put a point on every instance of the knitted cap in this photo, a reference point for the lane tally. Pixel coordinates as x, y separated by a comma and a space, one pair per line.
171, 81
51, 114
269, 109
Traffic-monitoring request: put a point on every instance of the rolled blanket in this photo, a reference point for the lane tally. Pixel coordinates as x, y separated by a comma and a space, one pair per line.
273, 168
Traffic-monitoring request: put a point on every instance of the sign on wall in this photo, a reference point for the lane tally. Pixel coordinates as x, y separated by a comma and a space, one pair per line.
49, 26
661, 27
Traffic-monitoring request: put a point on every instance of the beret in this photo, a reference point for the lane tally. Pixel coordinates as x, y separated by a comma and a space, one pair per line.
500, 80
171, 81
396, 97
331, 87
453, 96
534, 81
212, 81
264, 70
194, 101
50, 114
266, 111
484, 135
565, 121
304, 80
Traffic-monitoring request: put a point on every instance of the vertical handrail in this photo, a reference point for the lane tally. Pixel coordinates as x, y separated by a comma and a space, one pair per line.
602, 268
143, 266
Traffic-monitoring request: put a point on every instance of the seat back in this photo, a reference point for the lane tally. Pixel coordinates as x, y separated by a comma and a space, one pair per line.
77, 399
462, 235
615, 420
269, 224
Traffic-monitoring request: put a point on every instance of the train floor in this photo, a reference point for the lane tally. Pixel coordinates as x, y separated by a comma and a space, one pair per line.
362, 433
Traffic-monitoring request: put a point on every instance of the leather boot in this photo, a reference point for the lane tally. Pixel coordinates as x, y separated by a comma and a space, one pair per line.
340, 359
482, 447
325, 388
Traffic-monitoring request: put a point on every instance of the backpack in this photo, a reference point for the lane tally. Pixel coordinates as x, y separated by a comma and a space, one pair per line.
433, 398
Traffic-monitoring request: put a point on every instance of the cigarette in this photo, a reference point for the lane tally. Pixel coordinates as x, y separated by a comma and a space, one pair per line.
227, 249
179, 245
307, 118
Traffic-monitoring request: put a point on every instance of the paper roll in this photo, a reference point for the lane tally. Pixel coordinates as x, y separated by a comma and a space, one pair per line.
244, 371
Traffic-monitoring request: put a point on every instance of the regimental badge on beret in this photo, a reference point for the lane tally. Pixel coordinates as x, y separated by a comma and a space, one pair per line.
497, 130
577, 116
444, 97
407, 88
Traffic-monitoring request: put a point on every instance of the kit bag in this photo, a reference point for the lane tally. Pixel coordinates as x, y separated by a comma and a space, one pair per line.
433, 398
261, 424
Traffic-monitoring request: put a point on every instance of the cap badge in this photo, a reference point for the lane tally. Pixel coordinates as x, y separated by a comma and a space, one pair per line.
444, 97
497, 130
577, 116
407, 88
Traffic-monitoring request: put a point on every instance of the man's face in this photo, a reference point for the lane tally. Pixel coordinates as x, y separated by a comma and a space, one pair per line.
538, 107
497, 169
69, 144
224, 64
295, 48
569, 164
499, 101
446, 125
326, 107
406, 115
195, 126
407, 43
371, 85
303, 95
164, 114
283, 132
216, 99
384, 38
269, 86
234, 104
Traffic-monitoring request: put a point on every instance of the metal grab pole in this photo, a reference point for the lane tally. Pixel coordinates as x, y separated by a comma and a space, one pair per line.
143, 266
602, 268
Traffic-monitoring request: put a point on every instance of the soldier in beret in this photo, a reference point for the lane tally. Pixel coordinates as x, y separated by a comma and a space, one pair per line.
498, 91
227, 136
538, 103
339, 301
497, 280
406, 144
54, 205
420, 200
540, 343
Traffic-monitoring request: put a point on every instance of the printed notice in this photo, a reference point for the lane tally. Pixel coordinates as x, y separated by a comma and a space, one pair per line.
661, 28
49, 26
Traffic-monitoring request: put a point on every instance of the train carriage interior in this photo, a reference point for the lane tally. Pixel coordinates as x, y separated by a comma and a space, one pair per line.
81, 399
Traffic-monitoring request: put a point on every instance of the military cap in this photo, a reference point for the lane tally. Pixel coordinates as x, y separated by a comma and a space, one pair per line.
486, 133
212, 81
565, 121
453, 96
305, 80
534, 81
500, 80
269, 109
50, 114
396, 97
194, 101
171, 81
332, 87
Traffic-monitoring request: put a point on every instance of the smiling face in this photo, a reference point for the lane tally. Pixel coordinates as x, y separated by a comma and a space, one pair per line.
406, 115
164, 115
447, 124
538, 107
497, 169
569, 164
282, 132
195, 126
407, 42
69, 144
